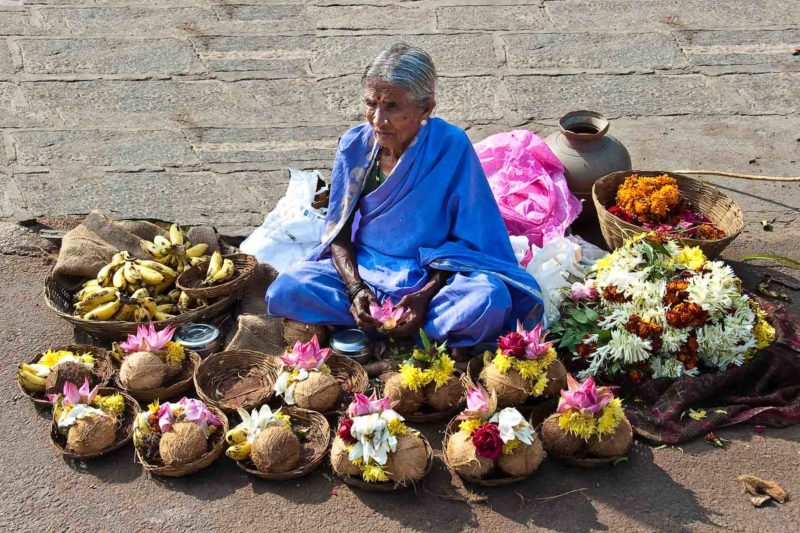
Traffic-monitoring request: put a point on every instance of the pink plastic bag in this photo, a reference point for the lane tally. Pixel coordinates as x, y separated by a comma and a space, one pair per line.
527, 180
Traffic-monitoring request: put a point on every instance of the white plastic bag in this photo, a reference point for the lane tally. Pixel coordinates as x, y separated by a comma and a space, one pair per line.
293, 228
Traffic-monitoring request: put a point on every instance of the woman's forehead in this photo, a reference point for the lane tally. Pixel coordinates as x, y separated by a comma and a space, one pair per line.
383, 90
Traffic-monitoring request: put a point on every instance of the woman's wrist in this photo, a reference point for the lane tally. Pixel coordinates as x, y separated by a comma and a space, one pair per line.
355, 288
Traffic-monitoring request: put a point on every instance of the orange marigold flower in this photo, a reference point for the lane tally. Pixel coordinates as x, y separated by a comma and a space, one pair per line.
612, 294
676, 292
686, 315
648, 198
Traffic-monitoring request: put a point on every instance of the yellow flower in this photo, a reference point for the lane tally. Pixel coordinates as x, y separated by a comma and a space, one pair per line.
611, 417
502, 362
175, 353
414, 378
373, 473
441, 370
113, 404
50, 357
577, 424
604, 263
87, 358
699, 414
763, 330
325, 369
693, 257
509, 446
153, 407
397, 428
470, 425
285, 419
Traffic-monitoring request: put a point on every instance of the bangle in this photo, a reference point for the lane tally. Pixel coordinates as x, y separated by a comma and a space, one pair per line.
354, 288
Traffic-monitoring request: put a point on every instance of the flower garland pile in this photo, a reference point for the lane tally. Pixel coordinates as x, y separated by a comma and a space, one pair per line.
488, 437
370, 433
654, 202
589, 420
175, 433
659, 309
87, 419
305, 380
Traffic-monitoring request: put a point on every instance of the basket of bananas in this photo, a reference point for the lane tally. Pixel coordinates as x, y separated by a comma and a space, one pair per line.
129, 291
220, 276
47, 372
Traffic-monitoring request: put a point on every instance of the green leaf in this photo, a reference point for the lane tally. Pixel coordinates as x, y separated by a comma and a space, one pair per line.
619, 459
426, 342
580, 317
591, 314
785, 261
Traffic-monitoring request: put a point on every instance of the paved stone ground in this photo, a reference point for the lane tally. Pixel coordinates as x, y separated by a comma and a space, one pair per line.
191, 110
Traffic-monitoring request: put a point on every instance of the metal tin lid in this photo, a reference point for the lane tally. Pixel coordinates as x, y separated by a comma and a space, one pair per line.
349, 341
195, 336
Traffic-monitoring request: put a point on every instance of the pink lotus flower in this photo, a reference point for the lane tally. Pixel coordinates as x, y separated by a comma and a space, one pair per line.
73, 395
477, 400
387, 314
580, 291
147, 339
535, 347
306, 356
586, 398
512, 344
165, 417
197, 411
362, 405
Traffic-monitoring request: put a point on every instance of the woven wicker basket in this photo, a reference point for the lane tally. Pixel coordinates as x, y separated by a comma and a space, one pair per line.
124, 431
216, 446
179, 384
59, 300
191, 280
103, 370
294, 331
426, 414
223, 366
581, 460
704, 197
387, 486
312, 451
496, 478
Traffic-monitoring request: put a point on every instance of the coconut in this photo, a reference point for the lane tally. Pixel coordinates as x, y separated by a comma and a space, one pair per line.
318, 392
182, 444
556, 379
275, 450
409, 460
404, 401
511, 388
612, 445
75, 373
523, 459
91, 434
142, 371
340, 461
557, 441
462, 458
445, 397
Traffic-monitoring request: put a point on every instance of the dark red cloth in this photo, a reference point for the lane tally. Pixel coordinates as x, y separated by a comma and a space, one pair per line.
766, 391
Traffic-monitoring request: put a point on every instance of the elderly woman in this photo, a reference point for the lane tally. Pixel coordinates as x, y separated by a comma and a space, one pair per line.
411, 218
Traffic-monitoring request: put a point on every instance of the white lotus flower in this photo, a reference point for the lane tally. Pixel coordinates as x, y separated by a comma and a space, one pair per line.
512, 426
78, 411
373, 440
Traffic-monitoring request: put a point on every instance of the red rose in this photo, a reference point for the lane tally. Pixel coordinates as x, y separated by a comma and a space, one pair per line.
344, 430
513, 345
487, 441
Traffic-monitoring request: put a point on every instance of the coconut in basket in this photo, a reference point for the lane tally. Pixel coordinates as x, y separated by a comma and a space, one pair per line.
373, 443
266, 438
305, 380
490, 442
87, 421
589, 422
54, 369
149, 359
175, 434
523, 367
426, 377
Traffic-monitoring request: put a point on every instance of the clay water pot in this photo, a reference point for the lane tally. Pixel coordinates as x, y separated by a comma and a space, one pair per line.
588, 153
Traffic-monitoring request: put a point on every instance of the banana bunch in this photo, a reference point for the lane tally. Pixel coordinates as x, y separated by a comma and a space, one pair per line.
33, 377
94, 302
129, 274
219, 270
239, 449
175, 252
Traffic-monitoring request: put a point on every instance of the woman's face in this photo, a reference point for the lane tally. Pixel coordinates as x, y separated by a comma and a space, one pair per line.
394, 117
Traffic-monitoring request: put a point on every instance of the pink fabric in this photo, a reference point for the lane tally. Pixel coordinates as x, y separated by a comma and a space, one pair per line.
527, 180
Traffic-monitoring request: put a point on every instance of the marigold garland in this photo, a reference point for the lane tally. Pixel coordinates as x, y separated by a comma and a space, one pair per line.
415, 378
586, 426
175, 353
534, 371
648, 198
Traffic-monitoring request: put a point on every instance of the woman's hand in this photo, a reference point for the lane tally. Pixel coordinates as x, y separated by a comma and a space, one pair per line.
417, 304
360, 310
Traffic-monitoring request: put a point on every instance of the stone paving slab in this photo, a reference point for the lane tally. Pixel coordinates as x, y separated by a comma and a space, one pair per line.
492, 18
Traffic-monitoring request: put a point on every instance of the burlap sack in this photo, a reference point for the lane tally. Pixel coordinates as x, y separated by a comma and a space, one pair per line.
258, 333
253, 302
206, 234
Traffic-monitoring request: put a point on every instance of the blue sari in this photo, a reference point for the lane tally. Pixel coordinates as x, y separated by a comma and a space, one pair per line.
434, 211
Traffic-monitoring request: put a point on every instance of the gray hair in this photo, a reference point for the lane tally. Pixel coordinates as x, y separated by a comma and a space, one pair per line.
408, 67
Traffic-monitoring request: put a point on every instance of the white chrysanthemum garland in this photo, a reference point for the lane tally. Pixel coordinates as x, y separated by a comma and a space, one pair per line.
655, 308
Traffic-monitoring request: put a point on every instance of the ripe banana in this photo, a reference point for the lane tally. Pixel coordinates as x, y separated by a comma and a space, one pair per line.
149, 275
91, 301
176, 235
31, 382
131, 274
41, 371
125, 313
197, 250
214, 265
104, 311
224, 273
119, 280
236, 436
163, 269
158, 315
239, 452
104, 276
